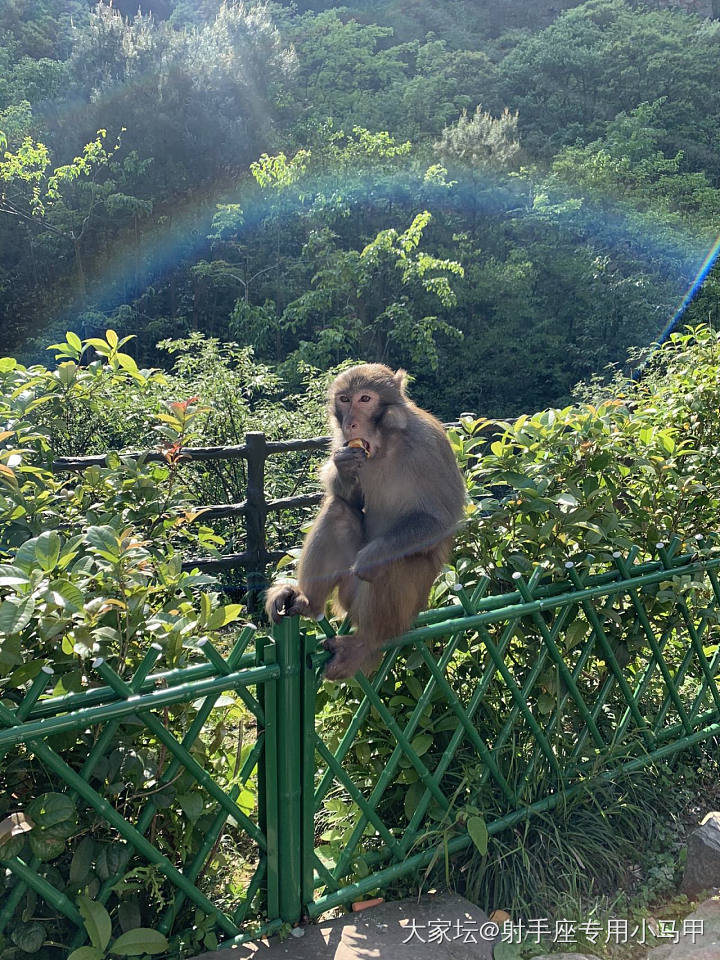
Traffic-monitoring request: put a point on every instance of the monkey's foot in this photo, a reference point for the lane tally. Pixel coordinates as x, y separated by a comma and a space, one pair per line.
348, 656
285, 600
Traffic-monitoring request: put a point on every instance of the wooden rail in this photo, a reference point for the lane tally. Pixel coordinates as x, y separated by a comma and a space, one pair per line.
254, 509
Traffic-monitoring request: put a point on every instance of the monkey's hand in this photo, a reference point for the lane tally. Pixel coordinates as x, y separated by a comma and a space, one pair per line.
285, 600
348, 461
370, 561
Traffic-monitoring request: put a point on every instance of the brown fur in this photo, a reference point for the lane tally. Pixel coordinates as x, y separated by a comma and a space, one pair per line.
386, 525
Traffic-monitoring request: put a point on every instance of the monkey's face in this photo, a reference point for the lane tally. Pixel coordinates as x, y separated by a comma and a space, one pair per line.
358, 414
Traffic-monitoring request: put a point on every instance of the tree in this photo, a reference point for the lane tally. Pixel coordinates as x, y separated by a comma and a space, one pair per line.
369, 303
202, 99
604, 57
58, 207
481, 142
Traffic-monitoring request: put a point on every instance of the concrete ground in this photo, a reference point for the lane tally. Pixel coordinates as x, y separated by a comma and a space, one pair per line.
442, 927
439, 927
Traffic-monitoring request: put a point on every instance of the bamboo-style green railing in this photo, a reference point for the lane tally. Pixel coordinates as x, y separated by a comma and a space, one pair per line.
530, 698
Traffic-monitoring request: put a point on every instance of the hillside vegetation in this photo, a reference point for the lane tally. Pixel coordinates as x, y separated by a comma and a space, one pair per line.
503, 197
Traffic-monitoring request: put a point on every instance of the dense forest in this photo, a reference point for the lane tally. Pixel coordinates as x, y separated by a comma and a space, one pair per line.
502, 197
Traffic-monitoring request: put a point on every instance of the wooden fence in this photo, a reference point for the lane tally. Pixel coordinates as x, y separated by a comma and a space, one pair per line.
254, 509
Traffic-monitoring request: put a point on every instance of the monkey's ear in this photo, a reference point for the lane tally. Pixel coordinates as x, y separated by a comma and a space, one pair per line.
395, 417
400, 377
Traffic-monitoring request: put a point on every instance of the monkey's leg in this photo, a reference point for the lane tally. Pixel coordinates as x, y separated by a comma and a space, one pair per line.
382, 609
328, 553
347, 591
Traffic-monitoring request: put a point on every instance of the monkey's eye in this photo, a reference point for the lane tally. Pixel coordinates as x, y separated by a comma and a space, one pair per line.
344, 399
365, 398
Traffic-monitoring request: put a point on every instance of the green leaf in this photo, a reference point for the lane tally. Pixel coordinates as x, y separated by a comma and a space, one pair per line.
412, 797
54, 817
67, 595
127, 363
97, 921
53, 811
477, 828
546, 703
87, 953
82, 860
15, 616
363, 754
575, 633
74, 340
45, 846
11, 654
224, 615
666, 441
29, 937
101, 346
104, 539
129, 914
192, 805
12, 576
67, 372
205, 607
515, 479
47, 549
25, 555
138, 941
111, 337
421, 743
108, 860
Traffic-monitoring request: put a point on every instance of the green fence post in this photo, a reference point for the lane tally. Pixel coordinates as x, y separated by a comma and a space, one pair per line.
255, 518
289, 768
309, 687
267, 780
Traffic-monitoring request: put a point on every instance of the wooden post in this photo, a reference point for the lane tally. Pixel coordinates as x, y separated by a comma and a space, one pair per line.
255, 518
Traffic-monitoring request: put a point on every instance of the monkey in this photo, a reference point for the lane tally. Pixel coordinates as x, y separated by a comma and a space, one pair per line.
393, 499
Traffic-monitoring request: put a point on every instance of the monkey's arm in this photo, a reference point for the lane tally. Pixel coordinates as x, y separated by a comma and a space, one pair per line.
327, 555
341, 476
328, 552
413, 533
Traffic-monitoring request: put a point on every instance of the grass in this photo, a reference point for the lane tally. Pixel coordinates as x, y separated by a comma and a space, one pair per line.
614, 854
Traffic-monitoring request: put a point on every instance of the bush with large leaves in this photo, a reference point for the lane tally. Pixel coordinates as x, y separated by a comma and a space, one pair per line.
91, 566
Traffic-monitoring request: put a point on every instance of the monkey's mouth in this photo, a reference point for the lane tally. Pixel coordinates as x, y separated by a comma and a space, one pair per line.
360, 443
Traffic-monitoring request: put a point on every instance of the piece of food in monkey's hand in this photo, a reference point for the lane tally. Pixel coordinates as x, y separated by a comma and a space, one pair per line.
360, 444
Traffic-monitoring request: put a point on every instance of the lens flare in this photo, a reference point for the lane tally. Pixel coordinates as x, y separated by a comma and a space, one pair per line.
693, 290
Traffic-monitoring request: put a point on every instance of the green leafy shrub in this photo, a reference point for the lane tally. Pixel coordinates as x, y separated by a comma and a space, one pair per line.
631, 468
91, 567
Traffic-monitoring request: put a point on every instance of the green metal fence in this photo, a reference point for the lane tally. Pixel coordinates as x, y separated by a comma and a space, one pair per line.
504, 704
